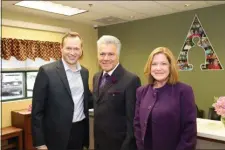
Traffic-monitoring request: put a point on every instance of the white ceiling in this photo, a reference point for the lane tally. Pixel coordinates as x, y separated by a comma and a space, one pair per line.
113, 12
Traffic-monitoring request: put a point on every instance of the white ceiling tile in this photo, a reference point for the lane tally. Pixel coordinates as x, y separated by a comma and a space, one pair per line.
215, 2
144, 7
8, 3
119, 9
180, 5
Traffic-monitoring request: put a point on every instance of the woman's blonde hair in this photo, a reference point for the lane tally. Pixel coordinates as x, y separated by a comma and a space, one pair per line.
173, 75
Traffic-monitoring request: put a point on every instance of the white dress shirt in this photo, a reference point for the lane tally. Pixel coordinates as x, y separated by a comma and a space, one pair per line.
77, 90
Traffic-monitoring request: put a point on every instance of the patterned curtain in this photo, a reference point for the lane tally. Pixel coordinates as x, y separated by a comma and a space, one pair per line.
23, 49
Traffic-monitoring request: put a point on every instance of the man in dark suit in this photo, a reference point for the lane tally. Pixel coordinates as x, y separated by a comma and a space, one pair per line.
60, 101
114, 99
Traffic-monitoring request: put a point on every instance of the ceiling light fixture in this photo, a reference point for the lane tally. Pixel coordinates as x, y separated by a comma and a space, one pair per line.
51, 7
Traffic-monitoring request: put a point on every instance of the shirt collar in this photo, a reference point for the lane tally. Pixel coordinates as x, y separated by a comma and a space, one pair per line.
78, 66
111, 72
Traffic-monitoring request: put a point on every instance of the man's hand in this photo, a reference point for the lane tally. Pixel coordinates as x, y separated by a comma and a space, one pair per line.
42, 147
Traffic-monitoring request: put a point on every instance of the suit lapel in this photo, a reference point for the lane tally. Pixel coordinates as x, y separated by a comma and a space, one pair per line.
104, 89
83, 76
96, 85
62, 74
85, 84
115, 77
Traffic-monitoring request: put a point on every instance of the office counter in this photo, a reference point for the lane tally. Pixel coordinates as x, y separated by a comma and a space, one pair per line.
211, 134
211, 129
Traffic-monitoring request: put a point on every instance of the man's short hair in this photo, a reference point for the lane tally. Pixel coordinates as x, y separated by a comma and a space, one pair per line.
109, 39
71, 34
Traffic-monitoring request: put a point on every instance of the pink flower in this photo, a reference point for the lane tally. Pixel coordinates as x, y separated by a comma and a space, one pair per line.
220, 106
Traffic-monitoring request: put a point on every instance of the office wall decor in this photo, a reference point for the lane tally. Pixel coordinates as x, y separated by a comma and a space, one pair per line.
211, 59
30, 79
17, 85
13, 85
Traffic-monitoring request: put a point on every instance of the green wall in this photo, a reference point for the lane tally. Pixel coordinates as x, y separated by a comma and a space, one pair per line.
140, 37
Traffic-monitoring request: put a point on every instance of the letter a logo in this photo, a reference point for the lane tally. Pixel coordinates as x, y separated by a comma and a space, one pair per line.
211, 60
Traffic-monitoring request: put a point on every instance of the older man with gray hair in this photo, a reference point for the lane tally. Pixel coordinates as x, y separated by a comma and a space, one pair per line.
114, 99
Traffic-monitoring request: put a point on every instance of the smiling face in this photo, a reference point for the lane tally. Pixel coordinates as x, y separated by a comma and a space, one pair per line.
108, 57
71, 50
160, 67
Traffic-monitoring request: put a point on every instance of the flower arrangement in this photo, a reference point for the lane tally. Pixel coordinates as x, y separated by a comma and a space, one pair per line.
219, 105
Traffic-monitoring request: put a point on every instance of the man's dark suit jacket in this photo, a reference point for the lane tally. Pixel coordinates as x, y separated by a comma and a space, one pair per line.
53, 107
114, 106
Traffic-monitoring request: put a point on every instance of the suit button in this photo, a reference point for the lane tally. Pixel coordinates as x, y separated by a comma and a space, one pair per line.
149, 107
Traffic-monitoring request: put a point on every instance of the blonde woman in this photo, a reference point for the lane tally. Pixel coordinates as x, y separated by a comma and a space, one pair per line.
165, 115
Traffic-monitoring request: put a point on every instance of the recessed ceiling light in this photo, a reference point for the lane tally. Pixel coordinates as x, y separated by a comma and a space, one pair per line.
51, 7
186, 5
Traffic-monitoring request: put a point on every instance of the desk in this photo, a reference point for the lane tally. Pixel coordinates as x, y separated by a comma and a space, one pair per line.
211, 134
22, 119
11, 132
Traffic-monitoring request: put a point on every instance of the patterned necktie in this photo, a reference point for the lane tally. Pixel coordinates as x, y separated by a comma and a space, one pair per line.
104, 80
